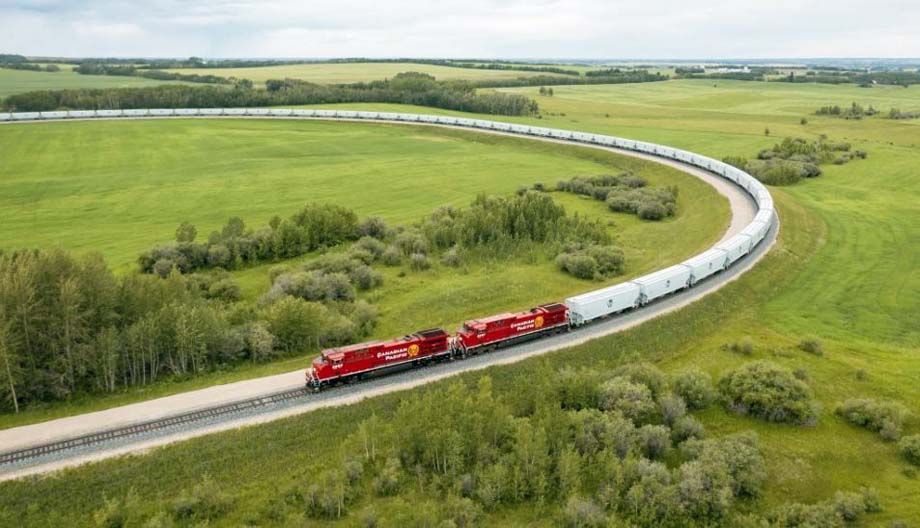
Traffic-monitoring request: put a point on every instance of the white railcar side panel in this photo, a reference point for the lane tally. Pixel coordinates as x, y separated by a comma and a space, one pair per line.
661, 283
706, 264
736, 247
600, 303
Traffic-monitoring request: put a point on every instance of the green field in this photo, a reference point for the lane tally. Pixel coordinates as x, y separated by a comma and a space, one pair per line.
19, 81
844, 270
357, 72
120, 188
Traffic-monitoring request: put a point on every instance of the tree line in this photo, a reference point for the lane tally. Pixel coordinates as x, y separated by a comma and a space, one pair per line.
405, 88
28, 66
69, 326
609, 77
130, 70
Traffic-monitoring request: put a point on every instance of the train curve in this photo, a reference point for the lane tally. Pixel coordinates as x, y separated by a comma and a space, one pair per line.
39, 453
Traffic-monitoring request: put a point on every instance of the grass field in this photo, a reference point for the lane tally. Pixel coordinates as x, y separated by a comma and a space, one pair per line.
128, 192
358, 72
19, 81
845, 270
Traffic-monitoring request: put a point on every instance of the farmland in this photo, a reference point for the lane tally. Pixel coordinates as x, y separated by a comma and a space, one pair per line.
844, 271
357, 72
19, 81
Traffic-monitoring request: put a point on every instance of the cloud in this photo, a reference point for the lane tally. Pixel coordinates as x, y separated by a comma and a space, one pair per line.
451, 28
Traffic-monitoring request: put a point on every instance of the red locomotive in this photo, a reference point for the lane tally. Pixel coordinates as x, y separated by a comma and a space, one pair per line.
350, 363
353, 361
506, 328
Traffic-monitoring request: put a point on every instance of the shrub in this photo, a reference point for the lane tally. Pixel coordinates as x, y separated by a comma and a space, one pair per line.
581, 266
634, 400
686, 428
812, 346
910, 448
225, 290
365, 278
392, 256
644, 373
650, 210
767, 391
374, 227
885, 417
419, 262
744, 346
372, 245
295, 322
204, 502
411, 242
672, 408
609, 259
582, 513
695, 387
451, 257
654, 440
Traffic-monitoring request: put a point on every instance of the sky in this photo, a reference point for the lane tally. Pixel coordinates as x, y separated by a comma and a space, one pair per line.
588, 29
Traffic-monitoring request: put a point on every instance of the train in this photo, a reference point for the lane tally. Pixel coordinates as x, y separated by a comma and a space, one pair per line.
354, 362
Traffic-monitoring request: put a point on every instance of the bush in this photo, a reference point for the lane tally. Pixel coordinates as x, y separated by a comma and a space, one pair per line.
650, 210
581, 266
695, 387
910, 448
365, 278
884, 417
672, 408
374, 227
392, 256
205, 502
764, 390
419, 262
451, 257
609, 259
582, 513
411, 242
812, 346
371, 245
654, 440
687, 428
645, 374
225, 290
634, 400
744, 346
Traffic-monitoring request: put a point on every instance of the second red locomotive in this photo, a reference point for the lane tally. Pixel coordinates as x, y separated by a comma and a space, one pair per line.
352, 362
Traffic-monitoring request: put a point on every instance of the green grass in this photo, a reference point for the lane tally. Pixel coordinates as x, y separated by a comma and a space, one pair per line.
357, 72
19, 81
845, 269
128, 192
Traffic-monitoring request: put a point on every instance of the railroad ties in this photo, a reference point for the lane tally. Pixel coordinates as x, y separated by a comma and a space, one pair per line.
22, 455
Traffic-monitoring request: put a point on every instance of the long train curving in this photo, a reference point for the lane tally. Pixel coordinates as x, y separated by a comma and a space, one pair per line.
353, 362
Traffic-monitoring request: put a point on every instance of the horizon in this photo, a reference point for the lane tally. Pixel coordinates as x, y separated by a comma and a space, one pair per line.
549, 29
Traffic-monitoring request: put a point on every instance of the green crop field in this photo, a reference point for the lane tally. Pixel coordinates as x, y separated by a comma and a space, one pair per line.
845, 271
356, 72
19, 81
121, 188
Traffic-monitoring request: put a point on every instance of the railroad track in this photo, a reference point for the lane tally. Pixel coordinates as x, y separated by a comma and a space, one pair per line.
109, 435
